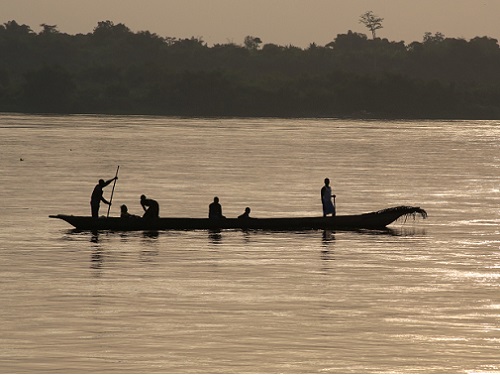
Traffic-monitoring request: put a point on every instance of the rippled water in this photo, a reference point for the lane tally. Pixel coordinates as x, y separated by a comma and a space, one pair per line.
421, 298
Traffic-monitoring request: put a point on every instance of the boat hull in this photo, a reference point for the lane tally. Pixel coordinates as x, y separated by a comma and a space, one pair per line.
372, 220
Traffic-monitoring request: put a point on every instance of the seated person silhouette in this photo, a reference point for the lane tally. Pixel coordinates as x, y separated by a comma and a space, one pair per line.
124, 214
215, 210
246, 214
151, 208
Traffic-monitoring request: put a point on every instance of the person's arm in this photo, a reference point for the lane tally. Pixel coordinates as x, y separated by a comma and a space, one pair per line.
110, 181
105, 201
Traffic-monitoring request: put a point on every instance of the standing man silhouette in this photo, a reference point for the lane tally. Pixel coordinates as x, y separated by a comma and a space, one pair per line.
96, 198
326, 199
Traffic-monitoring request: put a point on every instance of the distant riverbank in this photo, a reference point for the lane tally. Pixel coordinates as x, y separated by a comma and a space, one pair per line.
115, 71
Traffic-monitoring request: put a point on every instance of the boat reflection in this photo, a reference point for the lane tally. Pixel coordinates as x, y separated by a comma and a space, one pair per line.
328, 236
327, 242
392, 231
215, 236
95, 236
151, 234
408, 231
97, 260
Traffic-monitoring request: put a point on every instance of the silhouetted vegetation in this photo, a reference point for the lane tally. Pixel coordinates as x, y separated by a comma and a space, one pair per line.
371, 22
115, 70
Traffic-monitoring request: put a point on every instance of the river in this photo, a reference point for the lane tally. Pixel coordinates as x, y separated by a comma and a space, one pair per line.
421, 298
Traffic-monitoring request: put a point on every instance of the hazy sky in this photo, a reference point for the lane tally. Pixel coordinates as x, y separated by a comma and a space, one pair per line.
283, 22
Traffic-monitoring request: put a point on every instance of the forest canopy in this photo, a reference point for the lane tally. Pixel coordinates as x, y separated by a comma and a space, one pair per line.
113, 70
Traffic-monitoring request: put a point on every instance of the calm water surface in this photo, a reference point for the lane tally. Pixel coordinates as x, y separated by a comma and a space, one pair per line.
423, 297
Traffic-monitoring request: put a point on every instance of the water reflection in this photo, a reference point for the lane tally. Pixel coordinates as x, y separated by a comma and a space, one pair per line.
96, 259
95, 237
246, 236
402, 231
407, 231
148, 255
328, 237
327, 242
215, 236
151, 234
100, 241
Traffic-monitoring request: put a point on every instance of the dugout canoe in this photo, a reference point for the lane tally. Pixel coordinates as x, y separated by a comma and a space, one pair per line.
372, 220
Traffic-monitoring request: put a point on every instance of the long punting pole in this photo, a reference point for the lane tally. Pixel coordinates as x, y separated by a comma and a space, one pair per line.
113, 190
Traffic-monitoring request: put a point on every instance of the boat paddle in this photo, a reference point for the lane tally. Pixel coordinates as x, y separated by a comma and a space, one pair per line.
113, 190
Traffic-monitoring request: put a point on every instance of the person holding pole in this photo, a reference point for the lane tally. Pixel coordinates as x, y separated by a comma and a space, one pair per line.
326, 199
96, 198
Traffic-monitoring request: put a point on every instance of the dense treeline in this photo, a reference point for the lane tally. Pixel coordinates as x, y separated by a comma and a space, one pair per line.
114, 70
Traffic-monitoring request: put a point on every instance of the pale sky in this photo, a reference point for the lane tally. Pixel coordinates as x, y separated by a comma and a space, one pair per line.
282, 22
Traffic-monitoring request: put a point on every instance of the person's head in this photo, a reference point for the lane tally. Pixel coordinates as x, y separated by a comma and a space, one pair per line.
124, 208
102, 182
327, 181
247, 210
143, 197
216, 199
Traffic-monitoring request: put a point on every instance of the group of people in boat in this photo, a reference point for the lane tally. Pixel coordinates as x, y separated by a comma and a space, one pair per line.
152, 208
215, 211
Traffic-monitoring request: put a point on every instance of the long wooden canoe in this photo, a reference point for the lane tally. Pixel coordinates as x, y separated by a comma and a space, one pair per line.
372, 220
